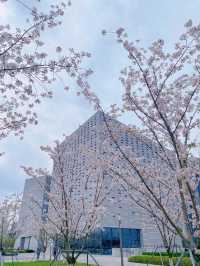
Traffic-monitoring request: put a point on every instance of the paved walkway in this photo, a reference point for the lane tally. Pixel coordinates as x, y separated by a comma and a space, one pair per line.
109, 261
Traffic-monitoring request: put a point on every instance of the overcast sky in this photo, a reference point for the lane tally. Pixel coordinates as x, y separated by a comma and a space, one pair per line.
146, 20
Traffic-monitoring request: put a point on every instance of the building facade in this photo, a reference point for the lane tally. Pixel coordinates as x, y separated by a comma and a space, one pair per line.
134, 223
34, 209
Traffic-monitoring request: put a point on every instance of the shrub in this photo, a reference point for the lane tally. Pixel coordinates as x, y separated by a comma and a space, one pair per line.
175, 254
157, 261
10, 252
26, 251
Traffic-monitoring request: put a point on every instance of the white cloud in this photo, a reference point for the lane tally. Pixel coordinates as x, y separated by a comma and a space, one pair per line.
6, 12
145, 20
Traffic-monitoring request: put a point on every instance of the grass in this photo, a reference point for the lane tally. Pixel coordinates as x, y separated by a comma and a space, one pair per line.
156, 260
39, 263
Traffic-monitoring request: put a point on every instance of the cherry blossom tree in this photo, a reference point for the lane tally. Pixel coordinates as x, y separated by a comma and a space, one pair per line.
9, 214
162, 90
76, 197
27, 71
118, 150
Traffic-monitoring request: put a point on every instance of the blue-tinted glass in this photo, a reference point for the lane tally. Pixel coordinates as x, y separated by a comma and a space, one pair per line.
199, 189
115, 238
102, 241
107, 238
130, 238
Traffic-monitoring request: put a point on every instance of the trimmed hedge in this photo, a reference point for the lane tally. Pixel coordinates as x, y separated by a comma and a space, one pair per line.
25, 251
156, 260
10, 252
163, 254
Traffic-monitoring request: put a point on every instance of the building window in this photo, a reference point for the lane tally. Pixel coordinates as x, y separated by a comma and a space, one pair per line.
25, 242
102, 241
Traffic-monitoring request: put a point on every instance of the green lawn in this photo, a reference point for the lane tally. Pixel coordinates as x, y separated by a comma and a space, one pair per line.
38, 263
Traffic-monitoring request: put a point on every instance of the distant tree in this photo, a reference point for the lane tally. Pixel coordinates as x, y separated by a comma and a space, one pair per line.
9, 214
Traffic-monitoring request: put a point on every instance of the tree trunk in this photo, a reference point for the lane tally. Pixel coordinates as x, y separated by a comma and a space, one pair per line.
1, 258
180, 259
71, 260
192, 258
171, 263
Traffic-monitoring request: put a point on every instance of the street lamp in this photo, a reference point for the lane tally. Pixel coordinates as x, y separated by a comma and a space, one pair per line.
120, 240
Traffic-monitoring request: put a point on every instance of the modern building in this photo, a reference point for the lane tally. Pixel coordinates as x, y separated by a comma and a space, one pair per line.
136, 229
34, 207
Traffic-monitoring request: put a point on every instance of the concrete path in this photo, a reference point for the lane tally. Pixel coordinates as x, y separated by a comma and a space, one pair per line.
109, 261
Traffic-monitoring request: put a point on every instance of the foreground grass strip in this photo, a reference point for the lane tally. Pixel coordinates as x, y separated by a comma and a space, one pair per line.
156, 260
39, 263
